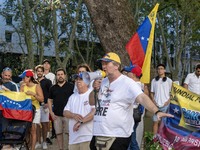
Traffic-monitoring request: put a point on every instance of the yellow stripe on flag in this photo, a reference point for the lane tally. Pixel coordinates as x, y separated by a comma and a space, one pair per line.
16, 96
146, 68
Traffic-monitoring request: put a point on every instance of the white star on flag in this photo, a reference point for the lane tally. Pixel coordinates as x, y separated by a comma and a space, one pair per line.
176, 110
142, 38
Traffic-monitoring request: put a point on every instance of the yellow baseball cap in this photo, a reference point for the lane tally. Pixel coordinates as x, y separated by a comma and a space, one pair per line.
111, 57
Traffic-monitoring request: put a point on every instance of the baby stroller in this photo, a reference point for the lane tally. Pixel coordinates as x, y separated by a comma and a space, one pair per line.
16, 119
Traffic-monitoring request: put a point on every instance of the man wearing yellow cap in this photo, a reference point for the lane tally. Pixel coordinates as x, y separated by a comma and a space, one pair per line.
113, 120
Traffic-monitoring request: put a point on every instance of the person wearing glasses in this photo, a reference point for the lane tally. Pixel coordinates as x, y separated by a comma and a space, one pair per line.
160, 94
7, 80
192, 81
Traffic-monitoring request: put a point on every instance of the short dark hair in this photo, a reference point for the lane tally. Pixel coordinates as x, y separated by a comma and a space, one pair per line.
46, 60
60, 69
162, 65
197, 66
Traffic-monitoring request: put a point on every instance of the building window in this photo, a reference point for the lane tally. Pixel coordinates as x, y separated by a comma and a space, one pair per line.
9, 20
46, 41
8, 36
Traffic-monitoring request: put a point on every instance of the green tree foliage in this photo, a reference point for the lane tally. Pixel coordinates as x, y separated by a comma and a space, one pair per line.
63, 25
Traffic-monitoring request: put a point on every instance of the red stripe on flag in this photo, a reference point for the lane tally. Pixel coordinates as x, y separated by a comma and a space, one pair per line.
24, 115
135, 50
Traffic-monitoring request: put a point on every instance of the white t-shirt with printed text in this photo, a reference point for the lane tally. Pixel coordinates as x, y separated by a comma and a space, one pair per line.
114, 116
79, 104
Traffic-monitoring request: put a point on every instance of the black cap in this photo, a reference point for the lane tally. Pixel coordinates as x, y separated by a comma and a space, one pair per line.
46, 60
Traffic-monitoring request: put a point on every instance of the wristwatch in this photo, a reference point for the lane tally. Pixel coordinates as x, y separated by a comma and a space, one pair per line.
157, 112
81, 122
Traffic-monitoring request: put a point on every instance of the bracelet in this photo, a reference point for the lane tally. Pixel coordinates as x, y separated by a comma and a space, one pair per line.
157, 112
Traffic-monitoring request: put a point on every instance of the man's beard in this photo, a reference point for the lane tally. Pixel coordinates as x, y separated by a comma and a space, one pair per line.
6, 80
39, 76
61, 81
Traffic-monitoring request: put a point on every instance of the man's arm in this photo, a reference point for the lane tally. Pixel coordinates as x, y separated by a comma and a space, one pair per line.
149, 105
91, 98
185, 85
70, 115
146, 102
146, 90
85, 119
50, 102
186, 82
89, 116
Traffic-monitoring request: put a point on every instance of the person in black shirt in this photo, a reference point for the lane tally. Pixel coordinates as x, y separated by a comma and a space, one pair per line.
58, 97
45, 85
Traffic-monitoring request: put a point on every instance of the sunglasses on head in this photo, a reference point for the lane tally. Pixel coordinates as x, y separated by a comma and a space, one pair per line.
7, 69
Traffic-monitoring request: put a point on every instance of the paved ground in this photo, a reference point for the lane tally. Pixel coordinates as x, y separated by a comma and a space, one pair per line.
147, 127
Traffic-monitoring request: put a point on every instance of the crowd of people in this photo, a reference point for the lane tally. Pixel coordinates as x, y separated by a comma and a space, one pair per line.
115, 122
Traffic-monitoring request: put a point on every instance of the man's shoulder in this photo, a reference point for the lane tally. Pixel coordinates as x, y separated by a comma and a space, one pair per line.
54, 86
46, 80
50, 74
69, 84
153, 80
9, 83
169, 79
191, 74
11, 86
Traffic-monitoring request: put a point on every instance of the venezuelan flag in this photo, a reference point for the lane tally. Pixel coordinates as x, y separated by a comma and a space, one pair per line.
16, 105
140, 45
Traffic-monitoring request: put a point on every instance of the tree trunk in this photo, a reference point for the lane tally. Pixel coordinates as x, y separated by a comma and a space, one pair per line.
114, 24
28, 33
